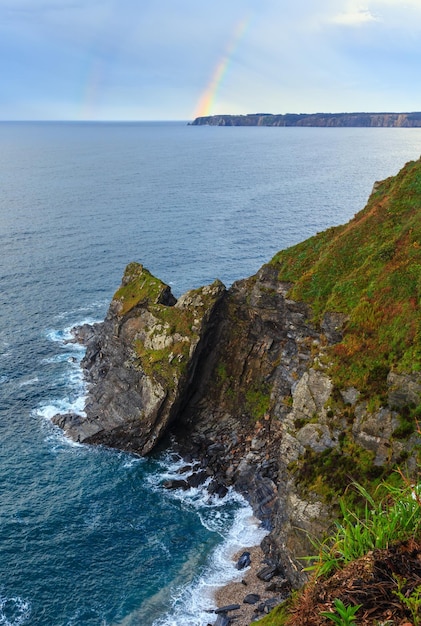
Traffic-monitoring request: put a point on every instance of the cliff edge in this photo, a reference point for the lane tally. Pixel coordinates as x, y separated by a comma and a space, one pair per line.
290, 384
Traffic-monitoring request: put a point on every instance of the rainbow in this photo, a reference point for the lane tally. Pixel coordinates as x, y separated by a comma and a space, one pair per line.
207, 99
92, 89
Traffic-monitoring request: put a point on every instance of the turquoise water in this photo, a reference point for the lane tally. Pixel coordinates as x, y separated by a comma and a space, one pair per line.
88, 535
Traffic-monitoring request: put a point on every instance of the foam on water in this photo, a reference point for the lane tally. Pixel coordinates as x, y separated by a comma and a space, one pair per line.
190, 605
65, 334
14, 611
29, 381
71, 378
238, 531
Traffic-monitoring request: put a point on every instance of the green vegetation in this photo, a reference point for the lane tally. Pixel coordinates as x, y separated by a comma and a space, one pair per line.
410, 599
391, 517
257, 401
326, 473
370, 270
344, 616
396, 516
139, 287
163, 332
278, 615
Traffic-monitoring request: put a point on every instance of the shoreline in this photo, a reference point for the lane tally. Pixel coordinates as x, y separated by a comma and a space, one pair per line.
235, 592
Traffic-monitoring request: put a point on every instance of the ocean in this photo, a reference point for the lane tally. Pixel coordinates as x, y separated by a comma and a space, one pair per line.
88, 535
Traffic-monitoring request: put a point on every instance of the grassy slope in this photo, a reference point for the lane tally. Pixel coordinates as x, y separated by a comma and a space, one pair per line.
369, 269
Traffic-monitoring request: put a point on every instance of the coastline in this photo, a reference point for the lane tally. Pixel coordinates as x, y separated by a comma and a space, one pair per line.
239, 592
234, 592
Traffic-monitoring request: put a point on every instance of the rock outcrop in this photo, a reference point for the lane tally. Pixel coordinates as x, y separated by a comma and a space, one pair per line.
289, 385
140, 363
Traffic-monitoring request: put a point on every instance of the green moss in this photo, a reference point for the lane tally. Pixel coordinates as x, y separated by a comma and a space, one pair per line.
139, 287
408, 422
257, 401
167, 335
277, 617
328, 473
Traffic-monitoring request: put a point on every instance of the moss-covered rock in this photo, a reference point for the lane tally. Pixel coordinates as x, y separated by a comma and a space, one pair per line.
142, 360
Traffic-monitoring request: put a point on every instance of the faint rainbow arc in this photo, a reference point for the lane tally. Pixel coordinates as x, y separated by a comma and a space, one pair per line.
92, 89
208, 97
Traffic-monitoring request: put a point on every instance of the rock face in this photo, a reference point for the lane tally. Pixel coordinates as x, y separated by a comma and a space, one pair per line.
141, 361
233, 374
287, 385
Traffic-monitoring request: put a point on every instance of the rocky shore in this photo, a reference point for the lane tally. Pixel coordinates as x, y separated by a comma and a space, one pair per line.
287, 386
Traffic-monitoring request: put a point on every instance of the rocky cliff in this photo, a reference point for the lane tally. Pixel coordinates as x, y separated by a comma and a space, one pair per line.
376, 120
288, 385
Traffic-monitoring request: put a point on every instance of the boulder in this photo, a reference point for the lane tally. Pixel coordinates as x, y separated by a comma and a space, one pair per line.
244, 561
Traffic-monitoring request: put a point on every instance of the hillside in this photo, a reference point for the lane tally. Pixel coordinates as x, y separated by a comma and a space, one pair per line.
289, 386
370, 271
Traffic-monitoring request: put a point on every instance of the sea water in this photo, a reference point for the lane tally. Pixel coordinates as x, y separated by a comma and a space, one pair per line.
88, 535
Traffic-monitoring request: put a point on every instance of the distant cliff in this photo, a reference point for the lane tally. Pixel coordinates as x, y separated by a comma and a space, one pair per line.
288, 385
368, 120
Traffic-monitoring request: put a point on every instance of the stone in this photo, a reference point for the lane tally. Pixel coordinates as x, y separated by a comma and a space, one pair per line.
350, 395
226, 609
174, 483
244, 561
251, 598
196, 479
222, 620
141, 360
267, 573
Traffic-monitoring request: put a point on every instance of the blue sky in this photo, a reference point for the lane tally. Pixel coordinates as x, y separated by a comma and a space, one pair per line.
158, 59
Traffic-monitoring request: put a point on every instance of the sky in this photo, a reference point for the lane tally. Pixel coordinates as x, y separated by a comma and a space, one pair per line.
178, 59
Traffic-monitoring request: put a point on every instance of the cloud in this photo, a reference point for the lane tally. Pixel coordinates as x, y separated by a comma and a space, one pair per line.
354, 17
154, 58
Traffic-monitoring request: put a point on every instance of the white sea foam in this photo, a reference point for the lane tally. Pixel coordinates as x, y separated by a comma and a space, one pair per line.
3, 379
132, 461
190, 605
14, 611
238, 530
29, 381
61, 406
64, 335
71, 378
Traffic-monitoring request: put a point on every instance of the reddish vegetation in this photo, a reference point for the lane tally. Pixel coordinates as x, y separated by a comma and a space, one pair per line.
371, 581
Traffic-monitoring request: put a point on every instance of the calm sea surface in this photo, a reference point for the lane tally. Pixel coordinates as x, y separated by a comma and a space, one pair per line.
88, 537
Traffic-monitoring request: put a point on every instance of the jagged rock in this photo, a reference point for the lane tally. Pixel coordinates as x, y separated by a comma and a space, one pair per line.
196, 479
222, 620
216, 489
141, 361
316, 437
278, 585
240, 377
175, 484
350, 396
332, 325
267, 573
404, 390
